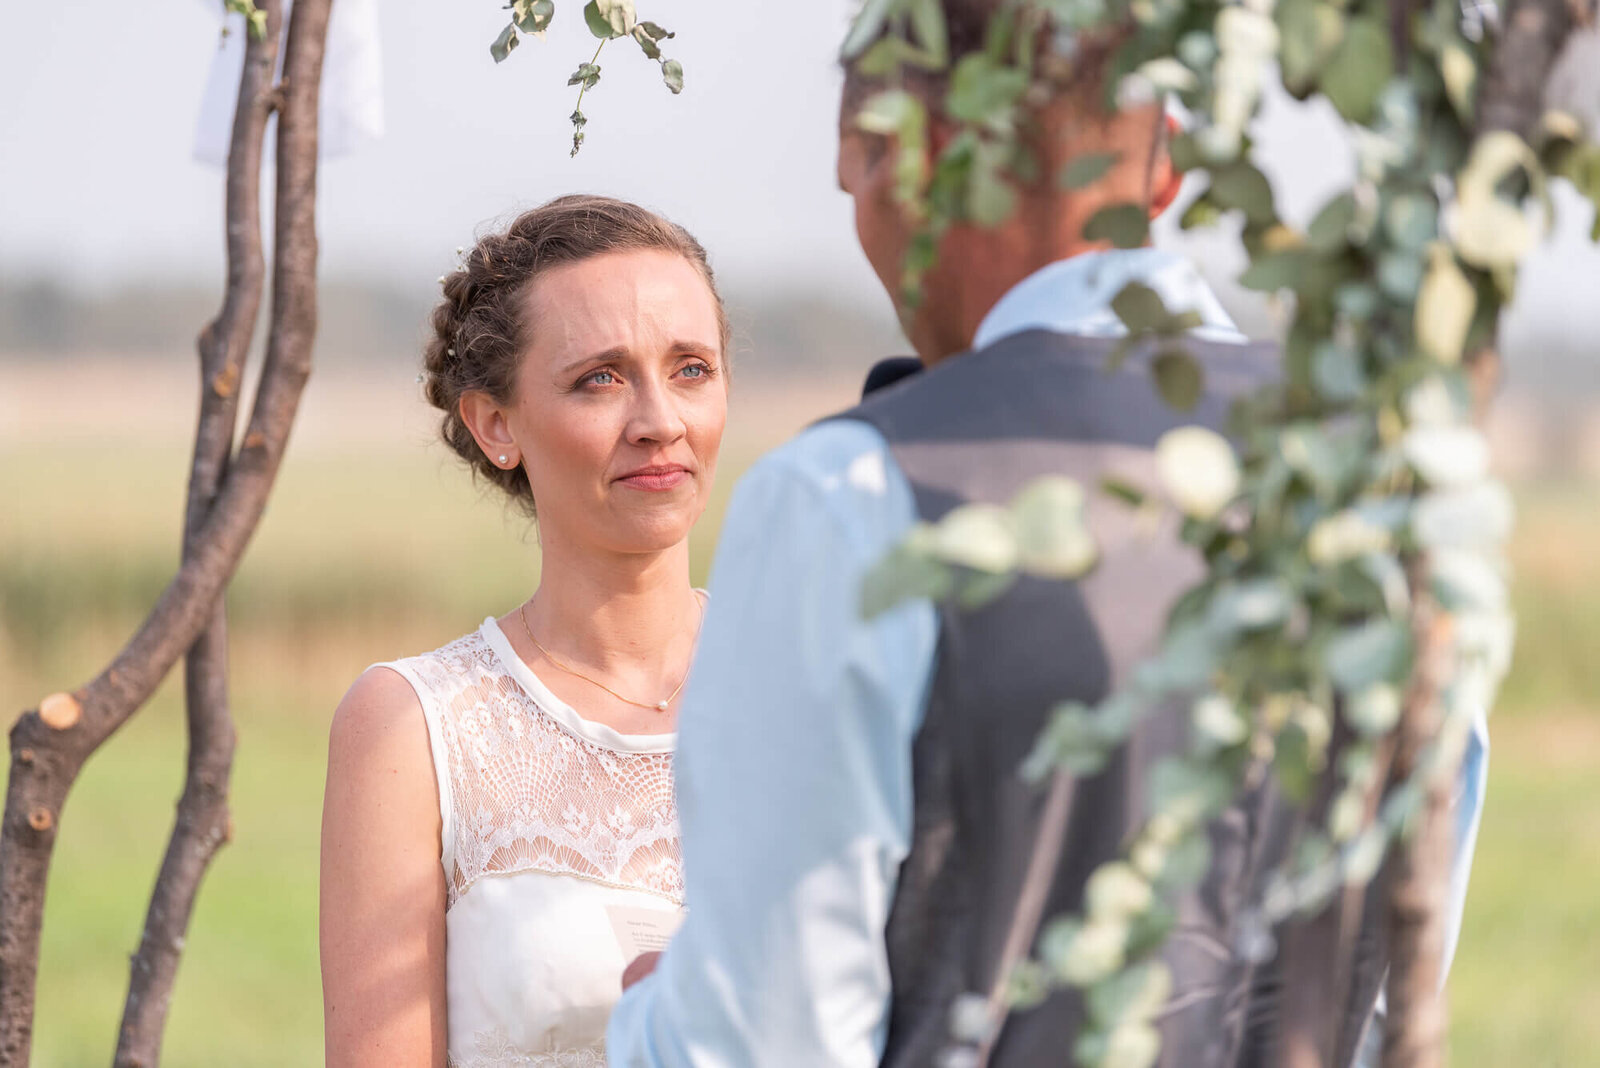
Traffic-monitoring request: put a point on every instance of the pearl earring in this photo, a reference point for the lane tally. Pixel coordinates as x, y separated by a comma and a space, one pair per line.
502, 459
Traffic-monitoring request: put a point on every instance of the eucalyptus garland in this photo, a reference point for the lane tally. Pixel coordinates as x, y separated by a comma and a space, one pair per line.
1357, 487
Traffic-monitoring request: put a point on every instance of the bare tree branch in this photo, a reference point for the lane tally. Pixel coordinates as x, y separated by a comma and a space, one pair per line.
1415, 1028
202, 823
49, 745
1532, 36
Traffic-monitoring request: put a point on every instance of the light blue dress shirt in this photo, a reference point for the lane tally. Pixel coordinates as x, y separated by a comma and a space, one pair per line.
794, 747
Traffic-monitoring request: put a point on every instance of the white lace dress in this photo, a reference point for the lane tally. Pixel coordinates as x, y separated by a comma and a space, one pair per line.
553, 827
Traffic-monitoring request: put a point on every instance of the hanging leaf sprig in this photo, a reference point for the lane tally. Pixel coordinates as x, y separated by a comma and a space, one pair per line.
608, 20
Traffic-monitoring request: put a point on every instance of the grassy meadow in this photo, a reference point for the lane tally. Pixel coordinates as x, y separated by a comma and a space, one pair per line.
376, 545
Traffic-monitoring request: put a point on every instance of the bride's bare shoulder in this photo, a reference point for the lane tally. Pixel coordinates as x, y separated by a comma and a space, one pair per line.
378, 727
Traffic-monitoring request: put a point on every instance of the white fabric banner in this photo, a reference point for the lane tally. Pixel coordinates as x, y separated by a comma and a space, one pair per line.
352, 83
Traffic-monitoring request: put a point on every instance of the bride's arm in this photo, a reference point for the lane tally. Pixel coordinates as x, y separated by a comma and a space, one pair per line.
383, 891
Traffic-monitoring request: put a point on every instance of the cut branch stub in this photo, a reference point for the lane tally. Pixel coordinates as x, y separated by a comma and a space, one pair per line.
60, 711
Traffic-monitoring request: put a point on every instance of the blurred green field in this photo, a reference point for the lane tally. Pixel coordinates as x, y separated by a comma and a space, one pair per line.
370, 552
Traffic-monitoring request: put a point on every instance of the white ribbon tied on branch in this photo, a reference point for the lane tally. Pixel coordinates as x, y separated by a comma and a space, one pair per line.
351, 112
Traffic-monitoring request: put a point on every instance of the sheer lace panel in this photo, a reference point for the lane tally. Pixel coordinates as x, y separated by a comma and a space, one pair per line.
492, 1049
527, 794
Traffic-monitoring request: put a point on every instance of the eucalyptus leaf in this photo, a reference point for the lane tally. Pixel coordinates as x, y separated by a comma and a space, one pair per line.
1368, 654
979, 589
1411, 220
1249, 605
1336, 369
991, 200
1073, 740
1123, 225
1134, 995
903, 575
1400, 275
599, 24
607, 19
1124, 491
1311, 32
981, 89
505, 44
868, 25
1178, 377
672, 74
1359, 69
1187, 792
1242, 187
1083, 171
1140, 308
533, 16
1330, 229
928, 23
647, 44
1189, 656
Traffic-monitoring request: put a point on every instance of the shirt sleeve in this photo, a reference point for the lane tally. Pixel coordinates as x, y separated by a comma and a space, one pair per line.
793, 775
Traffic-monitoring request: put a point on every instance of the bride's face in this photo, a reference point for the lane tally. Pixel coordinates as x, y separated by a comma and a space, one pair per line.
620, 401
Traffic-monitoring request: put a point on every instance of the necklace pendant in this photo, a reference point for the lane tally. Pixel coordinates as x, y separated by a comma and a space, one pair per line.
661, 706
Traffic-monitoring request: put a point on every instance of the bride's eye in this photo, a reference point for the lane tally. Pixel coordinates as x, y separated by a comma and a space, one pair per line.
696, 370
600, 378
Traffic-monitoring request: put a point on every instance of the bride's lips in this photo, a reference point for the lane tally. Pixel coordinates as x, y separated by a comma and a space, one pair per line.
656, 478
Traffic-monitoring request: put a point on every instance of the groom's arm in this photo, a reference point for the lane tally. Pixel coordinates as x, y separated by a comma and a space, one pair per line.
793, 775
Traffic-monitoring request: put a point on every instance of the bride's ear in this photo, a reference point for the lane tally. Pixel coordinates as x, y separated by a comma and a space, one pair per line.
486, 420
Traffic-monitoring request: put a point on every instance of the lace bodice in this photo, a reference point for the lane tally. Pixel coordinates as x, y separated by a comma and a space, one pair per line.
548, 821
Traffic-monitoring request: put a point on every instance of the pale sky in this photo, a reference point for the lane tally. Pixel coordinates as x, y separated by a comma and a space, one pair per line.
98, 187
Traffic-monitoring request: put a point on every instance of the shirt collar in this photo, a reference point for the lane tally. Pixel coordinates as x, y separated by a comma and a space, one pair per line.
1073, 296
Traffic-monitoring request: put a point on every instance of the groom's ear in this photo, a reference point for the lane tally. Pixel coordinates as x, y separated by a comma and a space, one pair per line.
1166, 181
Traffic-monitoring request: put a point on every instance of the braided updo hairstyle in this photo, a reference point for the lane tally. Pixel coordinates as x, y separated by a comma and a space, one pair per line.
482, 326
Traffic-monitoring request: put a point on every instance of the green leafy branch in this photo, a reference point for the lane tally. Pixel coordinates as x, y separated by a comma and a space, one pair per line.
607, 20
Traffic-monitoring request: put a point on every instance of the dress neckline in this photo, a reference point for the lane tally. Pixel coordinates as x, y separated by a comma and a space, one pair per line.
559, 710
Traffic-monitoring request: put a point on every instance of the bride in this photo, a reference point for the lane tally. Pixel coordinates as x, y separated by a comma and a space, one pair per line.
499, 835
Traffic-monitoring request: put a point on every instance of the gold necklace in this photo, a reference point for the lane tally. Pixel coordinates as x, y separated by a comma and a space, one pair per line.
659, 706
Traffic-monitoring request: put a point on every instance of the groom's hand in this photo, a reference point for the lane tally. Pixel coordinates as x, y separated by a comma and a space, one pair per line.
642, 965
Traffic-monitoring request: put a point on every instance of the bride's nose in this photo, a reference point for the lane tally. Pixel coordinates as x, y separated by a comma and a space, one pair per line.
655, 418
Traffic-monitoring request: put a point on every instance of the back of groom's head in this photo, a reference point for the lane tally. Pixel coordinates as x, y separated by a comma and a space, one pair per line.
1068, 114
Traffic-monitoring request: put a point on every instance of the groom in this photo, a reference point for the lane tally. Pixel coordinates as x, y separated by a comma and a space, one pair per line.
855, 832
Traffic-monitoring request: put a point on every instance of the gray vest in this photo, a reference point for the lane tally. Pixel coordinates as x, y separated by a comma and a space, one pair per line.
979, 428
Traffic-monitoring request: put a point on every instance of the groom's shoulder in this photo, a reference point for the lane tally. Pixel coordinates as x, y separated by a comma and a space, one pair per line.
824, 454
